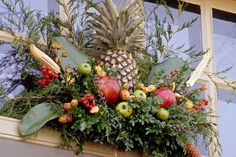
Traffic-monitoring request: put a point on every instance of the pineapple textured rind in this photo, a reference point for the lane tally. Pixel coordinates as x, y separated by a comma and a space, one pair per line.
119, 33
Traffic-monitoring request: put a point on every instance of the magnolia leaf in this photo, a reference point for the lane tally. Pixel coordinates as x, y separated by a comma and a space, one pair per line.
36, 118
172, 63
74, 56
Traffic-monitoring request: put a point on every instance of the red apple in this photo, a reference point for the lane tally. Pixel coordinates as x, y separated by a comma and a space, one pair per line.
110, 88
167, 96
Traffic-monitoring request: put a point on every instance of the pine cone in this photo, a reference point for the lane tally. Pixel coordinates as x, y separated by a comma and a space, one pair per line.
192, 150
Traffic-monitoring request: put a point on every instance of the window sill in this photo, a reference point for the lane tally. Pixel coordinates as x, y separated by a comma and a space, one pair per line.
51, 138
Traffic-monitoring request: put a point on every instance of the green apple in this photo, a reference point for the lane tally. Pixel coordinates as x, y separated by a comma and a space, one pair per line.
163, 114
140, 94
84, 69
124, 109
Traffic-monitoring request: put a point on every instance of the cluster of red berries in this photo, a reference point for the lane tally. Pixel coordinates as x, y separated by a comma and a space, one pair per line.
203, 102
48, 74
88, 101
201, 105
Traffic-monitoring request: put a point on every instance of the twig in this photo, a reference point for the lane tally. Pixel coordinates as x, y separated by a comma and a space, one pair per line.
35, 97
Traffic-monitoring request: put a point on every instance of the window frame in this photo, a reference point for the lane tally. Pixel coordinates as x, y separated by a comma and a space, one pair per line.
9, 127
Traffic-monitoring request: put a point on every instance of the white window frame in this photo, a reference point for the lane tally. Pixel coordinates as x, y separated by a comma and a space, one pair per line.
9, 126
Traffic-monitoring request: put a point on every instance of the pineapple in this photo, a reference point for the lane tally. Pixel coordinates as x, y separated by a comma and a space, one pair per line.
118, 33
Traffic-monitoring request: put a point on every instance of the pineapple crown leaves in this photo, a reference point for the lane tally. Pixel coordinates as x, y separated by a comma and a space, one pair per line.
115, 28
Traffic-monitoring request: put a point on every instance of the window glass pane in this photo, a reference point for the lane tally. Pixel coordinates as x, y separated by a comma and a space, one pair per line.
224, 26
188, 37
45, 6
9, 70
22, 149
227, 118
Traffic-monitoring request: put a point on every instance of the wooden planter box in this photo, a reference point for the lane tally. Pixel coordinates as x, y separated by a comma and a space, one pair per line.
51, 138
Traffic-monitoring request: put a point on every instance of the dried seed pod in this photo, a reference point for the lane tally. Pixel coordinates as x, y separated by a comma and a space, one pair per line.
151, 88
66, 118
124, 95
101, 74
203, 88
53, 46
132, 97
65, 53
189, 105
72, 81
94, 110
140, 85
68, 78
58, 59
173, 86
68, 69
98, 68
125, 86
178, 96
74, 103
145, 90
67, 106
56, 46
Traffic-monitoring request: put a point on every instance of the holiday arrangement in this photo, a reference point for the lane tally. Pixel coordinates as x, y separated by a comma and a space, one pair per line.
113, 91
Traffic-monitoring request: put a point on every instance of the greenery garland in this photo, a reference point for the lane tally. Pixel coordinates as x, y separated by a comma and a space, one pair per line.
74, 102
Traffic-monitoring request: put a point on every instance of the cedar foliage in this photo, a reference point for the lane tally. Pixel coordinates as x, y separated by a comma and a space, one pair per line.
150, 136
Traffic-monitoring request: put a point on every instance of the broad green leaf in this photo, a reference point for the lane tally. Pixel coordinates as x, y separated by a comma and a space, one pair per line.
36, 118
75, 56
167, 66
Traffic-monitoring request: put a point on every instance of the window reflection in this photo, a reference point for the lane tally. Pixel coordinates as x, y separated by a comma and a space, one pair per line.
10, 77
44, 6
227, 118
224, 27
187, 37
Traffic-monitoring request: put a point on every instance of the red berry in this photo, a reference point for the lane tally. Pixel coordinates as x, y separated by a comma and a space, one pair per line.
87, 96
48, 68
93, 104
43, 67
83, 99
49, 81
91, 98
39, 81
202, 108
200, 103
43, 82
90, 107
44, 71
55, 76
47, 77
196, 107
85, 102
50, 73
87, 105
205, 101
